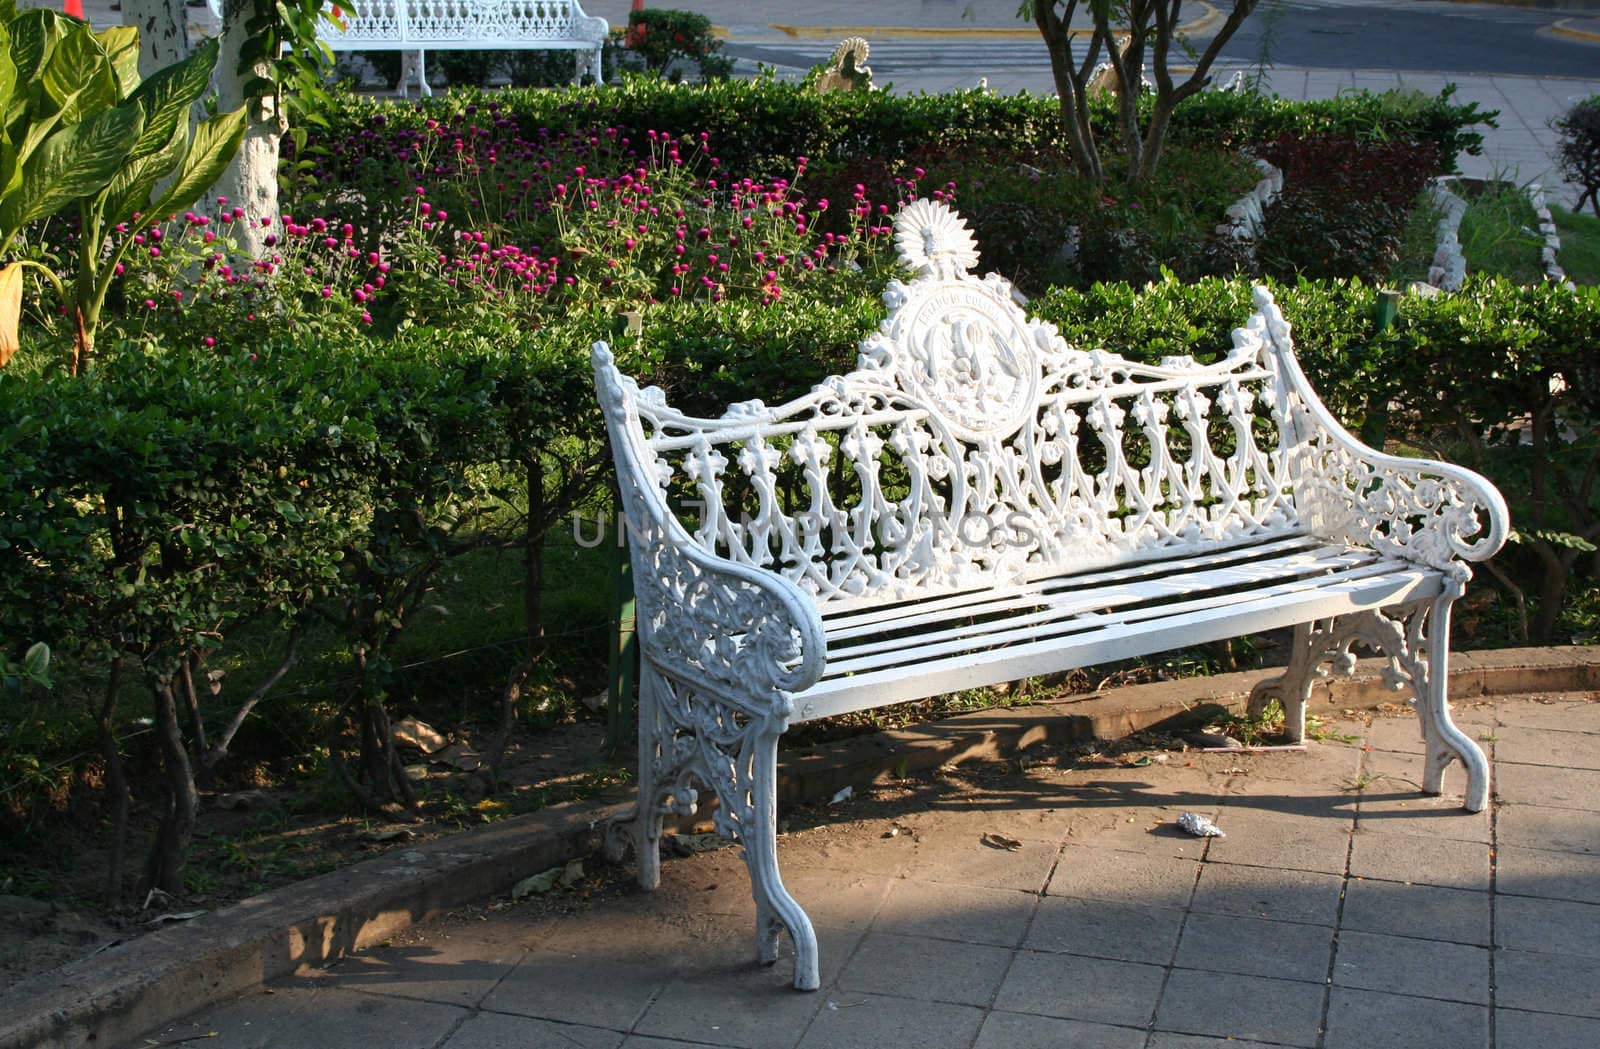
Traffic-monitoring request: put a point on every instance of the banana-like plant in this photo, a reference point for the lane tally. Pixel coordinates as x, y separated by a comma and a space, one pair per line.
80, 130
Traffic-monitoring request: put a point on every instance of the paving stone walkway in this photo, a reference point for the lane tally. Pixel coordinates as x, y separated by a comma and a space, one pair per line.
1343, 910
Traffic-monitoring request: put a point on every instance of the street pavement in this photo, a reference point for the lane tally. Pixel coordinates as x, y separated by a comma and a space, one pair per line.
1343, 910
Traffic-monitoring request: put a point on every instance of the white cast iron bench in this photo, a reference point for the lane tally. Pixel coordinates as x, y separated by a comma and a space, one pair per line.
979, 502
469, 25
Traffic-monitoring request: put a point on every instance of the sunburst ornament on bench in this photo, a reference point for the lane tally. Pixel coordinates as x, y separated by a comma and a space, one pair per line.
934, 241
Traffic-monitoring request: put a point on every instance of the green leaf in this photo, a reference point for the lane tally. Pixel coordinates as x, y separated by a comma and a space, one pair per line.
169, 93
8, 71
77, 76
121, 45
73, 163
129, 189
33, 34
36, 663
216, 141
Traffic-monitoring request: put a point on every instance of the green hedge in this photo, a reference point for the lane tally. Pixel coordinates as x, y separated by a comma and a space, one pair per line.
759, 126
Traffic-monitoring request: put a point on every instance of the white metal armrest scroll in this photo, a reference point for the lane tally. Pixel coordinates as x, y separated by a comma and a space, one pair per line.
1422, 510
704, 618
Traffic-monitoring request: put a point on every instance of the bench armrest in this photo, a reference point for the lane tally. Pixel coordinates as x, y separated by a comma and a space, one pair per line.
705, 619
1423, 510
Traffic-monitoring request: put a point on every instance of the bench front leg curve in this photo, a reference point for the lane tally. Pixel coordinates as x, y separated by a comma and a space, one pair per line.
1415, 639
691, 739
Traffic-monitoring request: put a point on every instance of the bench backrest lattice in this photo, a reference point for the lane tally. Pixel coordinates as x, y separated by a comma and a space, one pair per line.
417, 26
973, 447
481, 23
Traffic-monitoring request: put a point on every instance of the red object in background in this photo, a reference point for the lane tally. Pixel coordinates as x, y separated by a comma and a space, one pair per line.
73, 8
635, 33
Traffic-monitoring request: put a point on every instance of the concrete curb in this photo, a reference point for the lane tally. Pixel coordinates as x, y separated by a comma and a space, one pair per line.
1589, 29
123, 992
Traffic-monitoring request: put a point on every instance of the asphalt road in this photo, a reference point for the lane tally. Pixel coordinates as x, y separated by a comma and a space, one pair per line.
1461, 39
1417, 37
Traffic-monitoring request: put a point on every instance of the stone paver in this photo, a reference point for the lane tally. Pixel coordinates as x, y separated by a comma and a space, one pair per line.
1514, 1027
1422, 860
1360, 1019
1080, 988
1253, 947
1232, 1006
1105, 930
1352, 904
1002, 1030
1550, 926
1406, 965
1428, 911
1555, 874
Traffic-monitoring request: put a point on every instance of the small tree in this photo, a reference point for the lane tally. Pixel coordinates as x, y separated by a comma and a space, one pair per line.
1127, 34
1578, 156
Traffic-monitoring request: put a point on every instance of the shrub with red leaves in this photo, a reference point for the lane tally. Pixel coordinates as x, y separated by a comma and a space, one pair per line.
1344, 205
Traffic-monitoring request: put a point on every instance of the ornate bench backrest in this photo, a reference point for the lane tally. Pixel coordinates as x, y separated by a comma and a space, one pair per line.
440, 21
972, 446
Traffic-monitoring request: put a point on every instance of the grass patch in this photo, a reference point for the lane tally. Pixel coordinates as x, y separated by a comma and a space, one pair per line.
1580, 245
1499, 233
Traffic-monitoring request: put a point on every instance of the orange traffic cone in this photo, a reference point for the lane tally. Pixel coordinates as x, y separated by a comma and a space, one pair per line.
73, 8
635, 32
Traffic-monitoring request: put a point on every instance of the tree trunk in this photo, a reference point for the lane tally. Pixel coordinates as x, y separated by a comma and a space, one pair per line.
163, 32
1071, 82
251, 181
170, 851
116, 781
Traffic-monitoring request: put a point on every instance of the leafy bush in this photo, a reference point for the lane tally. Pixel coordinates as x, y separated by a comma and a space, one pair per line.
1344, 205
662, 36
1579, 151
1239, 120
760, 125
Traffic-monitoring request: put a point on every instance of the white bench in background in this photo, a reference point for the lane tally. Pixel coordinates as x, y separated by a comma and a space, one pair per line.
413, 26
979, 502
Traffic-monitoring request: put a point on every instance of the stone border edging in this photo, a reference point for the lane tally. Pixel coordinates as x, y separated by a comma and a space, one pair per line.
1449, 268
127, 991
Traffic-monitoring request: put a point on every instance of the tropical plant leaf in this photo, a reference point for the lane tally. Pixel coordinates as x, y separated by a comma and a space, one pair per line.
216, 142
121, 43
8, 71
169, 93
77, 77
74, 162
10, 311
129, 189
33, 34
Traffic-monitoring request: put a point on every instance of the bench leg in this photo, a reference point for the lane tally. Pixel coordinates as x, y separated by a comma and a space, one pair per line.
1293, 687
640, 827
776, 910
1443, 739
1416, 641
687, 741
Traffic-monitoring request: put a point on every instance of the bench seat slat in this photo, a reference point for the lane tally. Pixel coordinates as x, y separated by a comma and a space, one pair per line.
987, 659
1070, 604
1166, 598
854, 623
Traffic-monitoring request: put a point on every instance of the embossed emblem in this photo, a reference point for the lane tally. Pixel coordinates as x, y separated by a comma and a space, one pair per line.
959, 344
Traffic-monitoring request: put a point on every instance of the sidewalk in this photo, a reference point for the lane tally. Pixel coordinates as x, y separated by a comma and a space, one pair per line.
1343, 910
